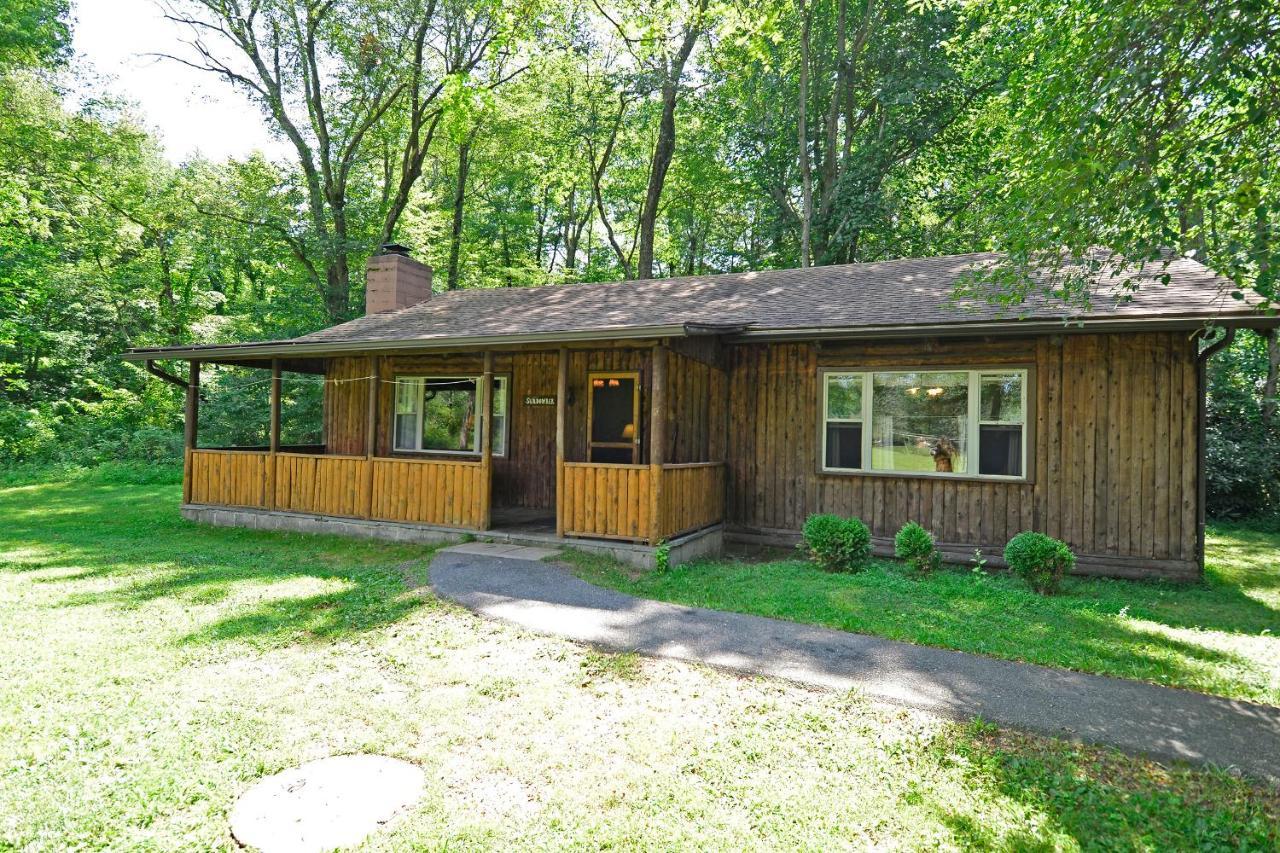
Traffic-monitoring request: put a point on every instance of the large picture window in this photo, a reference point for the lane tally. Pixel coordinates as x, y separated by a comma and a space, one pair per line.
437, 414
933, 422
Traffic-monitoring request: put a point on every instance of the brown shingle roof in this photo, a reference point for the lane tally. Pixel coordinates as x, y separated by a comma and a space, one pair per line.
887, 293
897, 294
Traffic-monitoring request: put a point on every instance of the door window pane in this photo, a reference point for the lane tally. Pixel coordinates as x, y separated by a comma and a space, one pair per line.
613, 409
613, 430
919, 421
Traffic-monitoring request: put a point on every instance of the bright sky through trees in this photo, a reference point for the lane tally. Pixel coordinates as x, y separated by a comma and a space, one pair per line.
190, 111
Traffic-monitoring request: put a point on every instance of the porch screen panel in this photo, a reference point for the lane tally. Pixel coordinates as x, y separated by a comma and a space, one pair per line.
408, 395
448, 415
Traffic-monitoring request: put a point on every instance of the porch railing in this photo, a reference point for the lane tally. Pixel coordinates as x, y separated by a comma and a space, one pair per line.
427, 491
449, 493
229, 477
323, 485
621, 501
608, 501
640, 503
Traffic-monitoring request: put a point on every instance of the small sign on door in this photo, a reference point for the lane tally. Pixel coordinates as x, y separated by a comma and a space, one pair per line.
531, 400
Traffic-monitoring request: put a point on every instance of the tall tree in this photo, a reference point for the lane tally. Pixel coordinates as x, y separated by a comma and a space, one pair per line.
335, 78
802, 135
661, 38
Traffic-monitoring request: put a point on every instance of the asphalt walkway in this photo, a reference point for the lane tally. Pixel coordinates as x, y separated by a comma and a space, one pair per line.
517, 587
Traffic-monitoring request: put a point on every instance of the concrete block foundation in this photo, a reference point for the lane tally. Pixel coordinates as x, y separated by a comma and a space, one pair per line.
708, 542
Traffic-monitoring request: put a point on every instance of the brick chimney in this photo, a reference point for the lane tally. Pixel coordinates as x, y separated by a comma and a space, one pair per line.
393, 280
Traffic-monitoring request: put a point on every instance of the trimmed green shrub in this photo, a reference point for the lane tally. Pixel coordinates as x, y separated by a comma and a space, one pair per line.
1041, 560
838, 544
915, 545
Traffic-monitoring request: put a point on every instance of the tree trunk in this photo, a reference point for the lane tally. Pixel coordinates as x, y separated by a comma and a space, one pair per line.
597, 178
459, 197
663, 151
1269, 402
573, 231
802, 139
665, 147
337, 264
337, 288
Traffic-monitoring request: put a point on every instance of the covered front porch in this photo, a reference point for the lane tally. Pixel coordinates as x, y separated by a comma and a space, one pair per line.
622, 444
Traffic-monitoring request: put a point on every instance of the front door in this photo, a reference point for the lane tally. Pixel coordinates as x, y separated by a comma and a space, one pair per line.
613, 417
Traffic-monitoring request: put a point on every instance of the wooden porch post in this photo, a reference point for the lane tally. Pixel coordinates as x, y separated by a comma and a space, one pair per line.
562, 392
273, 440
371, 430
190, 431
657, 441
486, 441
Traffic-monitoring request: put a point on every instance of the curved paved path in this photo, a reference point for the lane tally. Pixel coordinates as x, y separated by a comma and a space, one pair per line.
1132, 715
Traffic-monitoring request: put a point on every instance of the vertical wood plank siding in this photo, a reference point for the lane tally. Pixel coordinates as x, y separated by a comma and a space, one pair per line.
695, 410
1113, 448
525, 477
692, 497
1112, 464
345, 405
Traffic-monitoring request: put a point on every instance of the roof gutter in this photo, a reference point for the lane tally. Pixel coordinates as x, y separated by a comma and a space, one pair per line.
286, 349
734, 332
1004, 327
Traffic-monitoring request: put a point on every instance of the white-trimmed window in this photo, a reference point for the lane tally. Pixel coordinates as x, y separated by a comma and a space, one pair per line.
935, 422
437, 414
842, 400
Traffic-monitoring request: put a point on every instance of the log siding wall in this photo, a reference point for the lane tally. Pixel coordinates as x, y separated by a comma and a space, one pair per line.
525, 476
1114, 449
1112, 467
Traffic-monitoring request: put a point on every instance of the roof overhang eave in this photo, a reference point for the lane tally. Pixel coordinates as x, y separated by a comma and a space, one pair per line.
291, 349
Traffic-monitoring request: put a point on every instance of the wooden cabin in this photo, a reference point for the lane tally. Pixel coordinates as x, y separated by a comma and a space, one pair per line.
697, 410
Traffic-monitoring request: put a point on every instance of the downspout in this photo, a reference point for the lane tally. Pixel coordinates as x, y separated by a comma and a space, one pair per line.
1202, 362
167, 377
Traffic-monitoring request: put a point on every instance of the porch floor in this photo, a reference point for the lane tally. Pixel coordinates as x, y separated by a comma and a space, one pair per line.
522, 520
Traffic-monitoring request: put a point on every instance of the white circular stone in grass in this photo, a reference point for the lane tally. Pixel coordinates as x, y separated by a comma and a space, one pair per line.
333, 802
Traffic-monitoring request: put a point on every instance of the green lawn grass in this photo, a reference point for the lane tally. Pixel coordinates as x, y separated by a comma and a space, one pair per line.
1221, 636
151, 670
